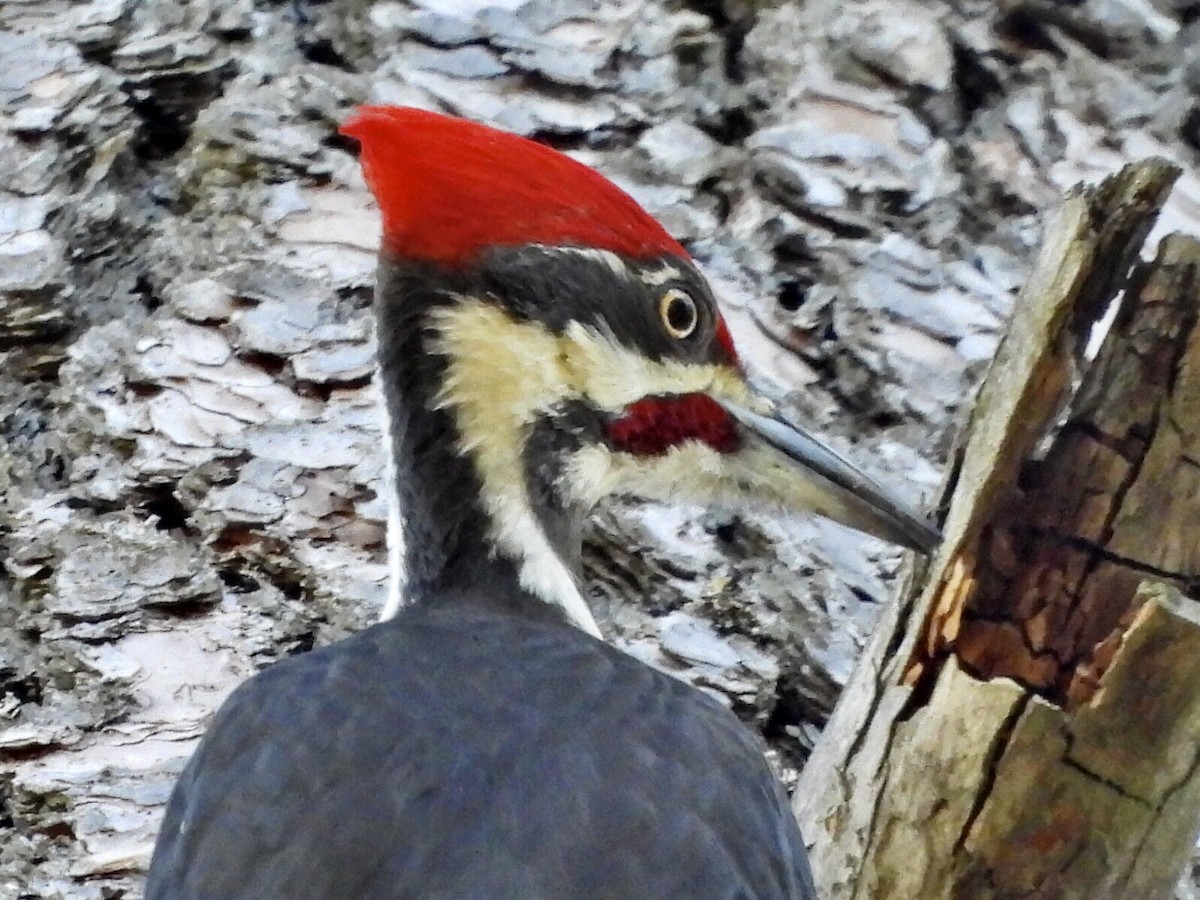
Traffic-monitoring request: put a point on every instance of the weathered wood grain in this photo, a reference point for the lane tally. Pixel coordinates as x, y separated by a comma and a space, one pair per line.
1022, 723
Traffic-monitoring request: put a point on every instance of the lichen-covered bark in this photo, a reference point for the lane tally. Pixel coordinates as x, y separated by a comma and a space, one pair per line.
1025, 727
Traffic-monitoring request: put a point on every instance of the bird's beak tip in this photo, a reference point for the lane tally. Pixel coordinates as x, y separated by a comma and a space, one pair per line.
851, 496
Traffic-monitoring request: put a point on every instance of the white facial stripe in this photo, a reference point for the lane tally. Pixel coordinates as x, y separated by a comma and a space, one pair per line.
395, 528
613, 376
692, 472
500, 374
661, 276
689, 472
617, 266
696, 473
395, 548
611, 260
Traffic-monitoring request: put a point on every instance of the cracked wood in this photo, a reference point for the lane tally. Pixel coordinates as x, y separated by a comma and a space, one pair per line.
1021, 724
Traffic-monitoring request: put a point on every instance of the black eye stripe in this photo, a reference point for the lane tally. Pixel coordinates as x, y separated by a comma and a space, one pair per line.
558, 287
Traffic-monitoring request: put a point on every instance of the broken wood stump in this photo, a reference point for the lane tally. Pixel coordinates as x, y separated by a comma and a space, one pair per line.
1025, 721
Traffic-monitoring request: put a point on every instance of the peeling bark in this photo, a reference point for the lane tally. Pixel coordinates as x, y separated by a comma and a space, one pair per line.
1024, 721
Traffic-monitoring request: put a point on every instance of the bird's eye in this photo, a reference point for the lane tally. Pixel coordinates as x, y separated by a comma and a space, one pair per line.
679, 313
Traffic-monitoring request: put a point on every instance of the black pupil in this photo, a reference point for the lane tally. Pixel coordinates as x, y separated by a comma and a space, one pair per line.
681, 315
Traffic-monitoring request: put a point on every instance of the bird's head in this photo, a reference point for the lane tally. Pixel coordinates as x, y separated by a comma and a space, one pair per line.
581, 353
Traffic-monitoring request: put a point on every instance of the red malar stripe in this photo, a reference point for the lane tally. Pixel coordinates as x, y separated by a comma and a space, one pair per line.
653, 426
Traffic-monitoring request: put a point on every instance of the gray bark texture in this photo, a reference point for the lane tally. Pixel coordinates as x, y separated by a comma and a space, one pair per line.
190, 486
1024, 722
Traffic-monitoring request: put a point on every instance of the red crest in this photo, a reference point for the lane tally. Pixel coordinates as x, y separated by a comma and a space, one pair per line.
450, 188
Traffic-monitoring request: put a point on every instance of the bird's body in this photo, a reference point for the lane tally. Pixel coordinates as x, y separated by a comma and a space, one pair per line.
542, 343
462, 752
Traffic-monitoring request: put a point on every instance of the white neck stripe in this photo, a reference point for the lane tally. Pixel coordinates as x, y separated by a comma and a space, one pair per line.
493, 413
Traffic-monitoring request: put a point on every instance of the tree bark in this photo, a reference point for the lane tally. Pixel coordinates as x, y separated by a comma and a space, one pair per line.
1024, 721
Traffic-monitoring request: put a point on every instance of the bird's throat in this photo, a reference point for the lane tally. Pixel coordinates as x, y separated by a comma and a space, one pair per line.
469, 517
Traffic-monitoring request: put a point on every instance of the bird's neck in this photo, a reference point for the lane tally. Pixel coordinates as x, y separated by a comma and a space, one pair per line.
445, 537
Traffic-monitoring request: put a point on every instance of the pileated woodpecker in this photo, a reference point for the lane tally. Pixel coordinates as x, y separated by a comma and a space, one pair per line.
543, 342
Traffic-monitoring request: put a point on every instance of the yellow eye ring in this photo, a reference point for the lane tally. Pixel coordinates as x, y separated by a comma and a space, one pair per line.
679, 313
